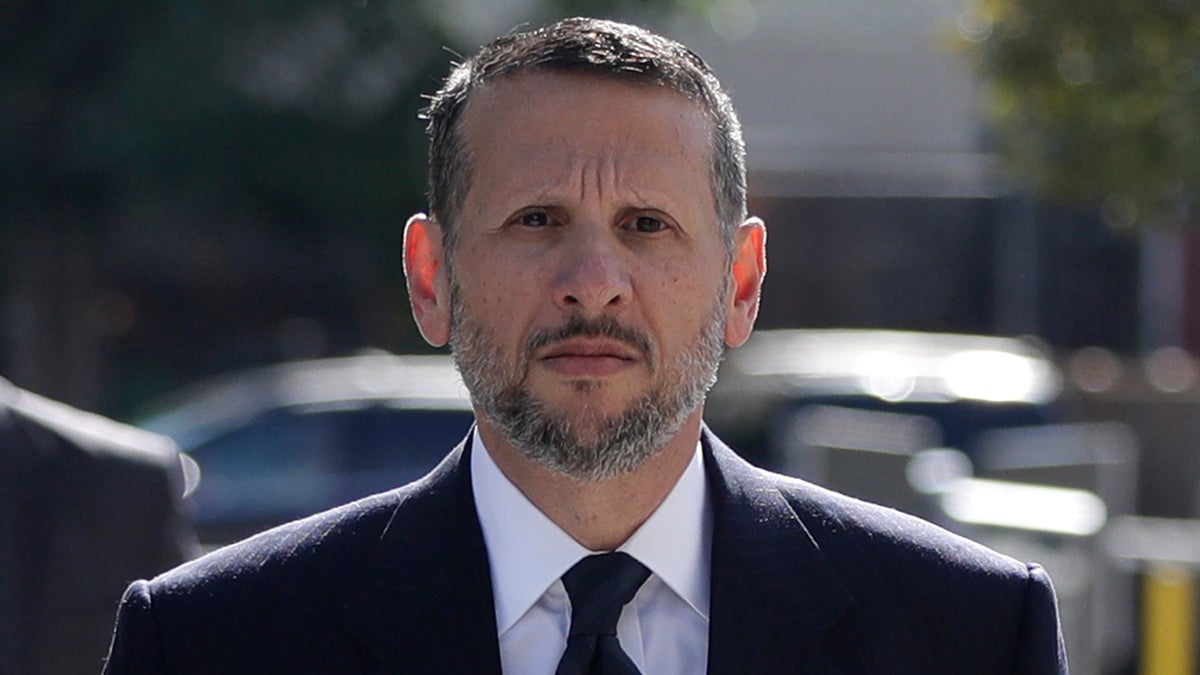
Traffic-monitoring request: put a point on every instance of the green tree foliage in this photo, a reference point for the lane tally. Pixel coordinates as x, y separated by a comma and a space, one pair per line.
1095, 101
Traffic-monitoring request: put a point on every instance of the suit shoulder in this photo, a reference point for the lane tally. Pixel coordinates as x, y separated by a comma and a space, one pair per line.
278, 592
300, 550
328, 545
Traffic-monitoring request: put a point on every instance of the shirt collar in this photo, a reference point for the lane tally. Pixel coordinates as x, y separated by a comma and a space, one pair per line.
675, 542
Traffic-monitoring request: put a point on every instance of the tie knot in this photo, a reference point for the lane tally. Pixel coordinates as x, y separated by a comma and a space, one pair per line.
599, 587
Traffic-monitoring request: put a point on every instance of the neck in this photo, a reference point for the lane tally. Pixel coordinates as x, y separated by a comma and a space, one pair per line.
600, 515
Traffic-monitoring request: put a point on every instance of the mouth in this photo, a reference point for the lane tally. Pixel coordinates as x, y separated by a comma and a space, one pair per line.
589, 357
597, 347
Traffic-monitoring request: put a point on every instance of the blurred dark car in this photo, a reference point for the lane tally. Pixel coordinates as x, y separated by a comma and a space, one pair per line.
286, 441
965, 384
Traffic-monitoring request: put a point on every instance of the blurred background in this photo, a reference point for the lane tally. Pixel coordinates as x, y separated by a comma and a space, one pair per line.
190, 192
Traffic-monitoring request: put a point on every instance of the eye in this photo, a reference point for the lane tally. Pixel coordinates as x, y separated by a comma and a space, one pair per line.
533, 218
647, 224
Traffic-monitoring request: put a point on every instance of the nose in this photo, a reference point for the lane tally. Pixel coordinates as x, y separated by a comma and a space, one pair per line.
594, 275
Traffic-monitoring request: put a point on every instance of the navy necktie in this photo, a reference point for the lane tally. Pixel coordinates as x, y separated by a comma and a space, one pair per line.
599, 587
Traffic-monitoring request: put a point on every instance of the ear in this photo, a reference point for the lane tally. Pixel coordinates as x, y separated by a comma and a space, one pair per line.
749, 266
424, 270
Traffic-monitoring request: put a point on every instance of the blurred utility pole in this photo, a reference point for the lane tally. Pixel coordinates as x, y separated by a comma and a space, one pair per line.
53, 346
1162, 294
1017, 270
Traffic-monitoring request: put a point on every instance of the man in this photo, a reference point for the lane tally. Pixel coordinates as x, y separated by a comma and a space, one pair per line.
86, 506
587, 257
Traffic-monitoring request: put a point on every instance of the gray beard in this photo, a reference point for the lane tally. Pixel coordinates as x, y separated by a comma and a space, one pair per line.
609, 446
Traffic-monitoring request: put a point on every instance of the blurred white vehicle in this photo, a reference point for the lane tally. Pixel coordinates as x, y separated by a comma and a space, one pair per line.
966, 384
286, 441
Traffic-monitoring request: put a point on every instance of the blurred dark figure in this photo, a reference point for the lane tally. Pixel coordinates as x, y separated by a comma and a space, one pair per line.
86, 506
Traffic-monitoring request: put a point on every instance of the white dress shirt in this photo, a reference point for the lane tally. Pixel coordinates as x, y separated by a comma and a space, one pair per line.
664, 629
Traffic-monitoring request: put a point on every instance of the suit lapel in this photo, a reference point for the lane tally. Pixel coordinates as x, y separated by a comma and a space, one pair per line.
774, 596
424, 601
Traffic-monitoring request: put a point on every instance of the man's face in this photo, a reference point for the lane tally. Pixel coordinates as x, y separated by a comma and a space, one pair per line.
588, 282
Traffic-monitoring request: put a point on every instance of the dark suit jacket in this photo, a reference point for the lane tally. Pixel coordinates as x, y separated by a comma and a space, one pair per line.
803, 581
87, 505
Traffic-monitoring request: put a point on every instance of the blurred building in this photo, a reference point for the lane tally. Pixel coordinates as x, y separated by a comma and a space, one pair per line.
871, 163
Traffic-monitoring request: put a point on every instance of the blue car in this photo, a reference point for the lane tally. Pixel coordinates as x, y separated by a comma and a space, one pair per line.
282, 442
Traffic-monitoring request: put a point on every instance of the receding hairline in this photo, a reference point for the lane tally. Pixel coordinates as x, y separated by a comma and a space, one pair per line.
484, 88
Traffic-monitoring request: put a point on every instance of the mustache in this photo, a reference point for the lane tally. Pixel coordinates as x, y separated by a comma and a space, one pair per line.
578, 326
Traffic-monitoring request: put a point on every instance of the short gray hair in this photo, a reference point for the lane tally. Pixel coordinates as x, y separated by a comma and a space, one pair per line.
587, 47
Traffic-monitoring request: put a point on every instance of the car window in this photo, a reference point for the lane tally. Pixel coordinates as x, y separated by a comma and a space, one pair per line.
388, 447
291, 462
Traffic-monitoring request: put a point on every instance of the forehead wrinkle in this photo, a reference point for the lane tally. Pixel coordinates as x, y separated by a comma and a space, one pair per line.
598, 172
585, 177
641, 199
